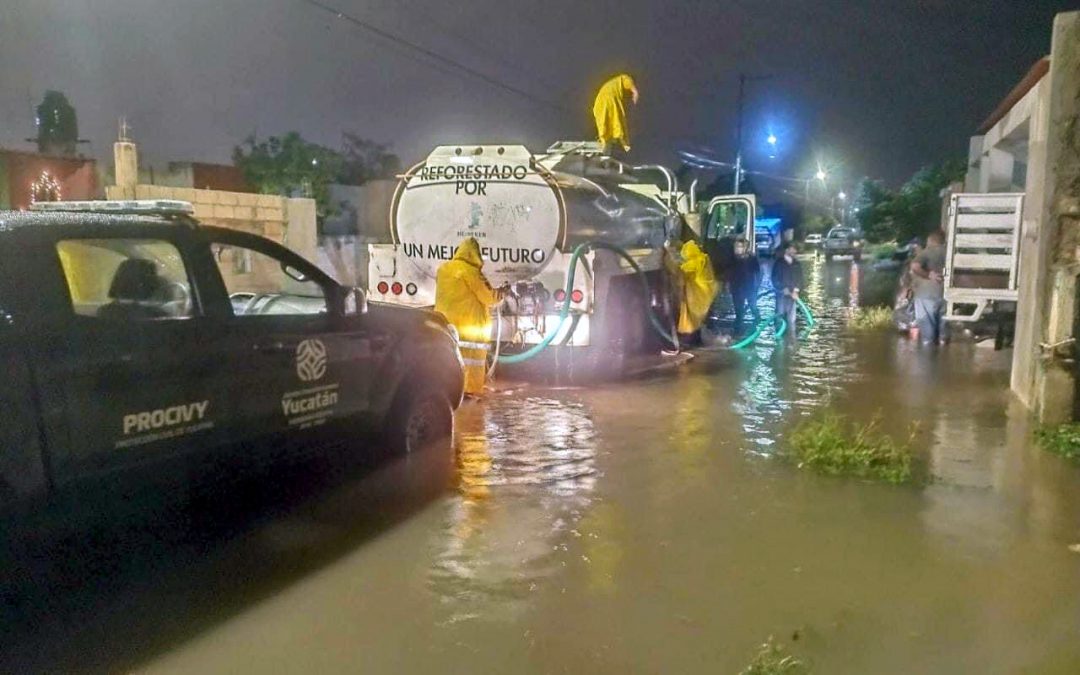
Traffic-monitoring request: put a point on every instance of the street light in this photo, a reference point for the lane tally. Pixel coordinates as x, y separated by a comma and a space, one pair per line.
842, 196
771, 140
821, 175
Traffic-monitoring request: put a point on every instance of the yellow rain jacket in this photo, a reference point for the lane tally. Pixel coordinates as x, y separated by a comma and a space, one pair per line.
699, 287
609, 110
465, 298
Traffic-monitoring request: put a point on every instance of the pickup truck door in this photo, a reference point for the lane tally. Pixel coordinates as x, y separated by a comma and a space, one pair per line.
302, 366
125, 368
22, 462
726, 219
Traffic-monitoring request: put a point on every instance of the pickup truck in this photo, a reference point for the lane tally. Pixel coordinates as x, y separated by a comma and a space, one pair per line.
842, 240
129, 333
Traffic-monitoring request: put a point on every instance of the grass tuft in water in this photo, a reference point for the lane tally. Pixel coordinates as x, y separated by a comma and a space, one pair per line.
883, 251
1061, 440
771, 659
830, 444
872, 319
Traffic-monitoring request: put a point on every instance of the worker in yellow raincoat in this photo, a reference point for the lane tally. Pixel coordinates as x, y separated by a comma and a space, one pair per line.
464, 296
609, 111
699, 288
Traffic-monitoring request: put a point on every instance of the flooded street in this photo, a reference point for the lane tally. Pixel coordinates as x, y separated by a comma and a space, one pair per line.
645, 526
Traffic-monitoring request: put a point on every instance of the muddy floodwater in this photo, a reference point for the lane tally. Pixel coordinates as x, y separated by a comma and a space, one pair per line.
648, 526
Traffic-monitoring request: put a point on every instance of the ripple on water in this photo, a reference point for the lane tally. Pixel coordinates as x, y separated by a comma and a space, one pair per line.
526, 469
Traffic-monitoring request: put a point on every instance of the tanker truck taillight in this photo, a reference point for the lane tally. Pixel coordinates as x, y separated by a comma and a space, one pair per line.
577, 296
383, 287
396, 288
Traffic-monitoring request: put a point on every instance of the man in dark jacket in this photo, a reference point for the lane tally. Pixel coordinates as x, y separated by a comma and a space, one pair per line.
787, 281
745, 279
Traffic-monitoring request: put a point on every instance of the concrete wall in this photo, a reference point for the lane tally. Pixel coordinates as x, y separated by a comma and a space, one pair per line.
288, 221
998, 157
343, 247
1050, 243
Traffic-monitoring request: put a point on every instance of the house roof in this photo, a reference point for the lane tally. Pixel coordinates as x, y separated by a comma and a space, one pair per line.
1034, 74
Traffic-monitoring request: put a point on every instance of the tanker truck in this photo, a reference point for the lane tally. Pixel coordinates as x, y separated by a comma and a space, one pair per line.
529, 213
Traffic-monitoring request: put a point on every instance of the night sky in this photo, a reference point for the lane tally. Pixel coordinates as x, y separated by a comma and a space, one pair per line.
872, 88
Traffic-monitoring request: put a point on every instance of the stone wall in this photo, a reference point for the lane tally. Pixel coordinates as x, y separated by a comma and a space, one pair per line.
1050, 245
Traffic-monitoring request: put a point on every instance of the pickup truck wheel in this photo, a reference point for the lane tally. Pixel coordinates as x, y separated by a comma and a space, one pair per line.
857, 256
420, 419
828, 257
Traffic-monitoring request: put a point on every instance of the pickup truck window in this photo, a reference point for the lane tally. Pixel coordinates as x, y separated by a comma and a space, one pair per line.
260, 285
126, 279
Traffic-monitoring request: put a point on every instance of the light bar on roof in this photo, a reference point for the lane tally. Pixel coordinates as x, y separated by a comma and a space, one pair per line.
161, 207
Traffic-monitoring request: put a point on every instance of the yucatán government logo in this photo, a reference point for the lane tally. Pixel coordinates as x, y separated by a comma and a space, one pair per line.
310, 360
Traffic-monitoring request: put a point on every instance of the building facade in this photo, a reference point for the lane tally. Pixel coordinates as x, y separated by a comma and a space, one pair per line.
29, 176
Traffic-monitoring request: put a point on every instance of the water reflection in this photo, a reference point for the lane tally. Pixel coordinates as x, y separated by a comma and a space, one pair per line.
803, 376
526, 471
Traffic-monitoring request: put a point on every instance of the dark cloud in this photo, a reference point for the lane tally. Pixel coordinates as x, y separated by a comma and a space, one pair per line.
880, 87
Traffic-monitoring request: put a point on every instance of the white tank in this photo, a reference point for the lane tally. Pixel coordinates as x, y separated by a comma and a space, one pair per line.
520, 212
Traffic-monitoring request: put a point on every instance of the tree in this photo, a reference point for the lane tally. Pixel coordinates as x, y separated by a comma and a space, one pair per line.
818, 224
290, 166
916, 209
365, 160
57, 125
872, 203
912, 211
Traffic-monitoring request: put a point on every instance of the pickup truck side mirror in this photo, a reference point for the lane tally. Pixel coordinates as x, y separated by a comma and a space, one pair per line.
355, 302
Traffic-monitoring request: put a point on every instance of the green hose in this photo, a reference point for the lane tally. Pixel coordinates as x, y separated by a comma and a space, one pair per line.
806, 312
565, 311
752, 337
580, 250
781, 330
644, 286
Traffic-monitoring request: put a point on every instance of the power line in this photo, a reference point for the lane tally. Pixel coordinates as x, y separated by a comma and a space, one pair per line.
435, 56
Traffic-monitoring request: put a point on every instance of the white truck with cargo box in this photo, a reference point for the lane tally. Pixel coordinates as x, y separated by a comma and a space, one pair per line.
529, 213
982, 260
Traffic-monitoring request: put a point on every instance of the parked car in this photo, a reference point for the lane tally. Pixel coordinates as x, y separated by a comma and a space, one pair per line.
813, 240
129, 334
842, 240
768, 236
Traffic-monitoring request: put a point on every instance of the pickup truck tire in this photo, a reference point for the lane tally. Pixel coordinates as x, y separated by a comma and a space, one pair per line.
856, 256
828, 257
419, 418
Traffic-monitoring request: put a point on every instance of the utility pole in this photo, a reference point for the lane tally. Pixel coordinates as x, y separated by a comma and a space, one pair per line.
738, 134
743, 79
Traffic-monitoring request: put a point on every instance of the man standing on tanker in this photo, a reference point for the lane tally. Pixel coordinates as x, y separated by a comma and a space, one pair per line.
609, 112
464, 296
